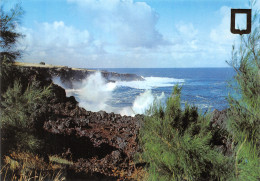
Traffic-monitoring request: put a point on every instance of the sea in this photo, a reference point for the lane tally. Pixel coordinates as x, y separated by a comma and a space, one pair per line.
206, 88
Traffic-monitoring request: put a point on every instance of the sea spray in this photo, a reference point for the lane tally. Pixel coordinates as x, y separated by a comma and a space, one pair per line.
94, 94
151, 82
144, 101
57, 80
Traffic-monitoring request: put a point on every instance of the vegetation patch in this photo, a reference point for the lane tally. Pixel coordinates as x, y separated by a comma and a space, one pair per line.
177, 144
26, 166
59, 160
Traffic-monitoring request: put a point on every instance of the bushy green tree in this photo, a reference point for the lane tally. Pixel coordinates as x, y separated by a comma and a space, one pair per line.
177, 145
8, 41
9, 34
18, 118
20, 100
244, 112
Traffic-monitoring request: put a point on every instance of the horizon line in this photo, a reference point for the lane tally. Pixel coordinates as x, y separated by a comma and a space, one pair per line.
152, 67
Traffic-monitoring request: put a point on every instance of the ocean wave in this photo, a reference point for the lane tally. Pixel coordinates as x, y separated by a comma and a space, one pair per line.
95, 94
151, 83
204, 106
201, 97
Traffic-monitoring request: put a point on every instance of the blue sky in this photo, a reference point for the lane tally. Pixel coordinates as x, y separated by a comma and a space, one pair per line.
127, 33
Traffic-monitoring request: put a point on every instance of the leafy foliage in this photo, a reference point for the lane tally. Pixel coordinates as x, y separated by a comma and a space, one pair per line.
244, 114
9, 35
245, 107
18, 120
8, 40
6, 73
177, 144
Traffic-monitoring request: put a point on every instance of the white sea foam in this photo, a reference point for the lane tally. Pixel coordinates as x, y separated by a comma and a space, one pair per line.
200, 97
204, 106
56, 80
142, 103
151, 82
94, 93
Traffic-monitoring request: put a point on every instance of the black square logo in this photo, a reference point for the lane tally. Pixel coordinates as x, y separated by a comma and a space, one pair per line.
248, 13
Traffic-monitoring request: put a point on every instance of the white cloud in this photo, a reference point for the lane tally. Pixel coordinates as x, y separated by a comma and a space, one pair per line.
59, 35
187, 30
221, 38
58, 43
221, 34
188, 35
132, 24
184, 47
138, 43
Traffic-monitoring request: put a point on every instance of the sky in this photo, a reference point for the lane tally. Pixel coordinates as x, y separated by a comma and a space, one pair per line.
128, 33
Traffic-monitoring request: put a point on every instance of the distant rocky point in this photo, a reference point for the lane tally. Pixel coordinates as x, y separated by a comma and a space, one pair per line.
68, 75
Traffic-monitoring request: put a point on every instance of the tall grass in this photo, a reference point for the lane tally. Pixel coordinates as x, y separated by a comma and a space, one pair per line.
26, 166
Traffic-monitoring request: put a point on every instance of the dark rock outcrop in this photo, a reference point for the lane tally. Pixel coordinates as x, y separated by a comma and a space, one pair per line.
220, 131
68, 75
219, 118
97, 142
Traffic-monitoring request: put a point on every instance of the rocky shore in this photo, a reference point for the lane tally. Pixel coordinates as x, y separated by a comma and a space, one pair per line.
98, 143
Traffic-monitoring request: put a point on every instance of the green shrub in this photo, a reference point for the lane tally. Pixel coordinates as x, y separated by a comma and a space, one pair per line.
9, 35
244, 112
18, 118
177, 145
8, 41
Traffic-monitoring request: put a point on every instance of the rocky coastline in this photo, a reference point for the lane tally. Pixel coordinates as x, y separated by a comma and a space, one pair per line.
67, 74
100, 144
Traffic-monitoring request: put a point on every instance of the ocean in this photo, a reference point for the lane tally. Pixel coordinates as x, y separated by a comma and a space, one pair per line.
206, 88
